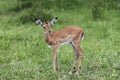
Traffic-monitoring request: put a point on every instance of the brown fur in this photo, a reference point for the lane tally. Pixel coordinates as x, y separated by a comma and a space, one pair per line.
71, 34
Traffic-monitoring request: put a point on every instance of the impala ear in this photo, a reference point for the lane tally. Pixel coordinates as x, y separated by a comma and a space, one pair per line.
53, 21
38, 22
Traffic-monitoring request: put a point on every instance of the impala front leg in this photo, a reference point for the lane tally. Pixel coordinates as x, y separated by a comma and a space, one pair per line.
55, 61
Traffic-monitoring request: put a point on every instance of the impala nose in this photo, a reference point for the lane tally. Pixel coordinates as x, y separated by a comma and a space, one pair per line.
49, 32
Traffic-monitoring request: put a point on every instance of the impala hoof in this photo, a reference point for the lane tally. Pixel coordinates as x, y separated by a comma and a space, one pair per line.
70, 72
77, 73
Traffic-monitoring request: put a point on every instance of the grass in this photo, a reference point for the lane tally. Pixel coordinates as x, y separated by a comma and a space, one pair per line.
24, 54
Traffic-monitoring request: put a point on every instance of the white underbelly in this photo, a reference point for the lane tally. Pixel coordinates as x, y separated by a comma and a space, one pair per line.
66, 42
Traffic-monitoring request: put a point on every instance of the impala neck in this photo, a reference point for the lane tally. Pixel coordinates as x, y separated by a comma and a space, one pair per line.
48, 38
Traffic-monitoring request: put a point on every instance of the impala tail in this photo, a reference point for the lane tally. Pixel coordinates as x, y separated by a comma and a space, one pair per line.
82, 36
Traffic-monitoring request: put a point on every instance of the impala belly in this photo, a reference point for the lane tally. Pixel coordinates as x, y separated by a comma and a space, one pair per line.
64, 41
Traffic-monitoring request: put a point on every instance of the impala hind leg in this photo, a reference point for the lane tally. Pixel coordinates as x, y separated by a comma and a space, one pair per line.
73, 69
80, 56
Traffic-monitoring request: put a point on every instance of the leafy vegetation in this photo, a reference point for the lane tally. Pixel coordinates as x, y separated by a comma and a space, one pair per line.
24, 54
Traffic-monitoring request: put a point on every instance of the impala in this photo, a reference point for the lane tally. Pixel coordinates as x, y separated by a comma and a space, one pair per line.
54, 39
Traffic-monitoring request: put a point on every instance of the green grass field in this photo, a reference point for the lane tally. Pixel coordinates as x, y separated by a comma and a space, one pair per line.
24, 55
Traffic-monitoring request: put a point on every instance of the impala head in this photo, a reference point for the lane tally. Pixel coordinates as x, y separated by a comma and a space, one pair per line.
46, 25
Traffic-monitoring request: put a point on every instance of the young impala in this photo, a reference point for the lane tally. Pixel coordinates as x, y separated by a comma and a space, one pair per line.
54, 39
